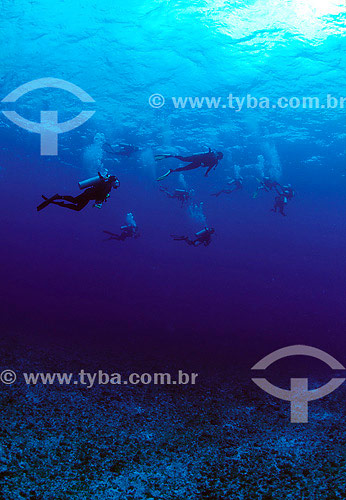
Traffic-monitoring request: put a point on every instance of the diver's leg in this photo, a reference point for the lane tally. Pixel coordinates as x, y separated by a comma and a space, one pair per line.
165, 190
191, 242
226, 191
218, 194
179, 238
77, 207
186, 159
71, 199
112, 236
190, 166
116, 237
256, 193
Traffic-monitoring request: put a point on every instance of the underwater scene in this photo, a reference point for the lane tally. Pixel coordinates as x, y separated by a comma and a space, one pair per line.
173, 306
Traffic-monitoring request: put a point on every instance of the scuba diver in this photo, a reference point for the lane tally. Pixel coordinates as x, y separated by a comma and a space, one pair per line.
130, 230
120, 149
267, 184
202, 238
182, 195
97, 189
280, 204
235, 185
207, 160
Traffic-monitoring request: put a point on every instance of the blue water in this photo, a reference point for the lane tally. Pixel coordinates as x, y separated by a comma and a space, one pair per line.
265, 281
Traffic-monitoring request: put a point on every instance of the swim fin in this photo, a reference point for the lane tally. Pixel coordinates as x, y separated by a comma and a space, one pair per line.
110, 234
161, 157
164, 175
47, 201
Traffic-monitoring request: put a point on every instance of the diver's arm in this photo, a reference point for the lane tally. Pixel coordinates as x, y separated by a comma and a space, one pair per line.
197, 243
214, 165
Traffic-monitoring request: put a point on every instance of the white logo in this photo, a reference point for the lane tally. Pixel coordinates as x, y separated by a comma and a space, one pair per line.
157, 101
299, 395
48, 128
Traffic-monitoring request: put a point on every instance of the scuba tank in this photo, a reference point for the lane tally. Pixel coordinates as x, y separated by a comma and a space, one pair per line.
93, 181
203, 233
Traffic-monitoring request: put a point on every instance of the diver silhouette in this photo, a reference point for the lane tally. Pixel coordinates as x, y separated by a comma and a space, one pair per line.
201, 238
280, 204
267, 184
207, 160
235, 185
130, 230
97, 189
182, 195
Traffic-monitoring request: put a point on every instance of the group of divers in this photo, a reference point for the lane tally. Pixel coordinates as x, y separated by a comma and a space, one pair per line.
98, 190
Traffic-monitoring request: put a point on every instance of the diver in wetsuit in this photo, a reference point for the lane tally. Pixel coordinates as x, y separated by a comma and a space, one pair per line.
267, 184
130, 230
202, 238
207, 160
126, 232
280, 204
183, 195
120, 149
97, 189
235, 185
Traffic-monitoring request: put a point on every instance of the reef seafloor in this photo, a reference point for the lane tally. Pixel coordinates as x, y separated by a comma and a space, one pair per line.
219, 439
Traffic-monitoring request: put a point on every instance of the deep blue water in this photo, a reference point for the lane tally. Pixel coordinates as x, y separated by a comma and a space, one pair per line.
265, 281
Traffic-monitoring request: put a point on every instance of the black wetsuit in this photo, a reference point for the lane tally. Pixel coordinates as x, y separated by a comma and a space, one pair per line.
179, 194
208, 160
280, 204
203, 238
127, 232
98, 193
235, 185
268, 184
